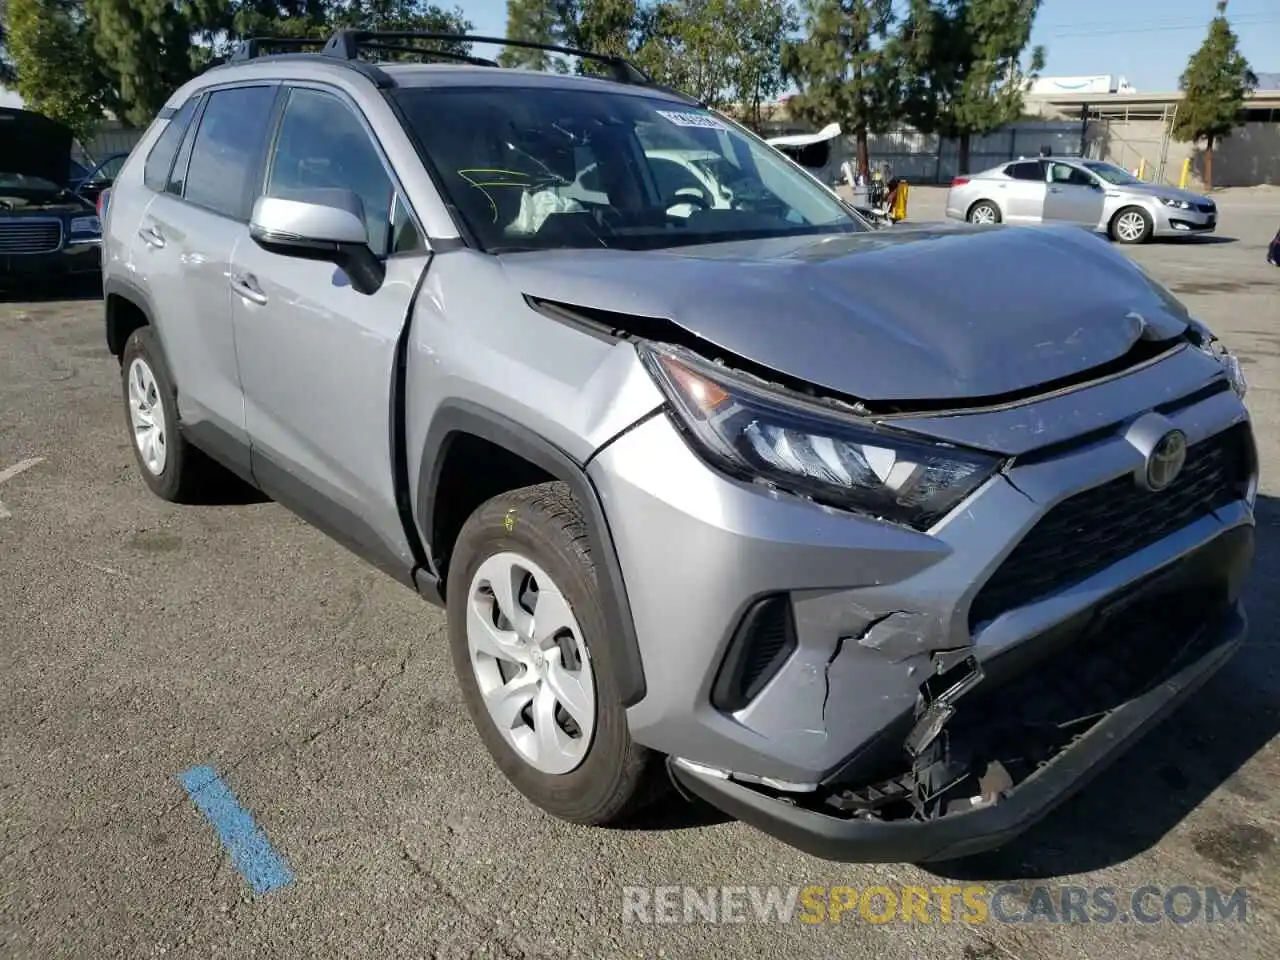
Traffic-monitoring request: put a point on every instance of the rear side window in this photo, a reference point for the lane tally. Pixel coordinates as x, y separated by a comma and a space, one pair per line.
155, 174
228, 149
1026, 171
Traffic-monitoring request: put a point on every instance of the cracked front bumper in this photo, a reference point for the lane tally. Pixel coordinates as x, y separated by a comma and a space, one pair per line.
873, 606
961, 834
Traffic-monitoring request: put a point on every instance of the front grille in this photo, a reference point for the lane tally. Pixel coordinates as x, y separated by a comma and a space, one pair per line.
1206, 207
1089, 532
22, 235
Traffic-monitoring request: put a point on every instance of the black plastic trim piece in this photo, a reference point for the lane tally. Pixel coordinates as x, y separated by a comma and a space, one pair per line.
741, 676
330, 517
455, 417
346, 45
964, 834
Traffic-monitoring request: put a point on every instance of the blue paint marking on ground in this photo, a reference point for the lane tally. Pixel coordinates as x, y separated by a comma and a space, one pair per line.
250, 850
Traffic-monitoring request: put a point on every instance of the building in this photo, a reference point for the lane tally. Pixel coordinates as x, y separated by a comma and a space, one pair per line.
1132, 129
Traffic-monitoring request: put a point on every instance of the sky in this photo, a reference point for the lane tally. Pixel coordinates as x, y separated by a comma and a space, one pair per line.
1145, 41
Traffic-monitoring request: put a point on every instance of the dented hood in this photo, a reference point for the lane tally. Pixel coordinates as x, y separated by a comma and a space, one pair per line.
926, 314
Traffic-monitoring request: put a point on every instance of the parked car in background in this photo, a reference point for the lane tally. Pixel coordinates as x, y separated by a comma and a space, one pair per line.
46, 229
1273, 252
1092, 193
89, 182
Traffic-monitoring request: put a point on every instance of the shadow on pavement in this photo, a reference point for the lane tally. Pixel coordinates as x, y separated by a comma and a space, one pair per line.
1155, 785
80, 288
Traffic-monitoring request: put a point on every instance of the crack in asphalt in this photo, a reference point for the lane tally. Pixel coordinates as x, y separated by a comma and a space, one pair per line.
512, 948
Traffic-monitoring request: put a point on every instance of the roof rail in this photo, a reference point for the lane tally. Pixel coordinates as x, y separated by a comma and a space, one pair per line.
427, 52
251, 48
255, 49
346, 45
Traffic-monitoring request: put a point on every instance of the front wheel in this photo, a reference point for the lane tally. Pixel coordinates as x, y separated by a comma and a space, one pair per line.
532, 653
1131, 225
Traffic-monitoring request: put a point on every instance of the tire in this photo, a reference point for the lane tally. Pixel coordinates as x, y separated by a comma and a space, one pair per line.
1120, 231
543, 527
179, 473
984, 211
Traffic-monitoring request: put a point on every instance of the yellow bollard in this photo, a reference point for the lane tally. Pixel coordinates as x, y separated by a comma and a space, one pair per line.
1186, 174
1142, 169
900, 202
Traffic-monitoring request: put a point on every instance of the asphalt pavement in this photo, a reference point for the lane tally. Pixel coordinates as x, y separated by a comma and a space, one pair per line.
141, 642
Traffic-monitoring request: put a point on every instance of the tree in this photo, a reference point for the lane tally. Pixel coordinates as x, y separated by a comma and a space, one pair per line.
7, 75
58, 73
1215, 85
960, 72
842, 70
722, 52
148, 47
534, 21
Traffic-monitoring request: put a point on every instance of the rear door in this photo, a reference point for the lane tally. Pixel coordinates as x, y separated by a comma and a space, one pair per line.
1073, 196
317, 359
1024, 192
189, 231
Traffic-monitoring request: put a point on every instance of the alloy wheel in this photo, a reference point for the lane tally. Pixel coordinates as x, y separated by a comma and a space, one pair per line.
1130, 226
983, 213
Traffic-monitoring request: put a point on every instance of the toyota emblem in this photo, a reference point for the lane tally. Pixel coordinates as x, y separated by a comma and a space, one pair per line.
1166, 460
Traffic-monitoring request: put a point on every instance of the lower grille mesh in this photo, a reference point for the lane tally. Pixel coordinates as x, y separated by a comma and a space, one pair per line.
1089, 532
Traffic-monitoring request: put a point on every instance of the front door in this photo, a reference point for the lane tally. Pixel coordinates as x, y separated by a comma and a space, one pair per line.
317, 358
1074, 196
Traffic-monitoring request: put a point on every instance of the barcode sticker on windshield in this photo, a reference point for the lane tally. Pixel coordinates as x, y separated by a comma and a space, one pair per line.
701, 120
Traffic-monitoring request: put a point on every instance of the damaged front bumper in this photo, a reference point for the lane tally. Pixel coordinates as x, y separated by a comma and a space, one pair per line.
984, 782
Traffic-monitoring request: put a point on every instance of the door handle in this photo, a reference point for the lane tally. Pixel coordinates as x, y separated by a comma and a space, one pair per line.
1055, 189
247, 287
151, 236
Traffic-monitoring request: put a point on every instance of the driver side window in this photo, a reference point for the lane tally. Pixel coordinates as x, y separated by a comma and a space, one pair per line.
323, 145
1065, 173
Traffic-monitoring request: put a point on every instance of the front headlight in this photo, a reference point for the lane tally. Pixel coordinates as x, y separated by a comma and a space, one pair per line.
90, 226
1207, 342
813, 449
1179, 204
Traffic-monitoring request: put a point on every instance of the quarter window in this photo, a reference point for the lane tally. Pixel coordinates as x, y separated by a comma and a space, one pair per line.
155, 173
225, 158
322, 145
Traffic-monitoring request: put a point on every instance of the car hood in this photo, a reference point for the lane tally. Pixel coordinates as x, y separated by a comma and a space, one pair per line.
34, 146
927, 314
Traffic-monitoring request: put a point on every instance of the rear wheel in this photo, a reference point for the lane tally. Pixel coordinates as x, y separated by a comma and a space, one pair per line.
984, 211
533, 656
172, 468
1131, 225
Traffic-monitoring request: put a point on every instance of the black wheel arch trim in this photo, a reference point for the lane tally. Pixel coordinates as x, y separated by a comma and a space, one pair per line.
128, 290
455, 417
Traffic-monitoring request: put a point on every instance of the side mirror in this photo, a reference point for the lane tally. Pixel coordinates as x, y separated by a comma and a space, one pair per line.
325, 225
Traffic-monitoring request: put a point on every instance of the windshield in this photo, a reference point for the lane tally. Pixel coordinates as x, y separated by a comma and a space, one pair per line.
1111, 173
555, 168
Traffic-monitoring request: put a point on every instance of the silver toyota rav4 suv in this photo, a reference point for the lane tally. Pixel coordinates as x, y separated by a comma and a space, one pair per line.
880, 541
